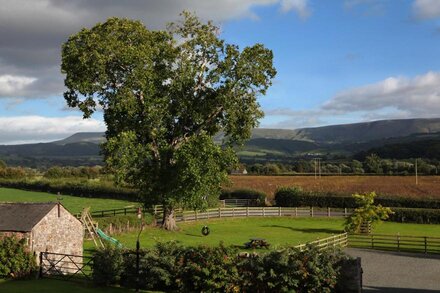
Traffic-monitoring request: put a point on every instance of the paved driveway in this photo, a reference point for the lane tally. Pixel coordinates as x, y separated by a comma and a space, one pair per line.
398, 271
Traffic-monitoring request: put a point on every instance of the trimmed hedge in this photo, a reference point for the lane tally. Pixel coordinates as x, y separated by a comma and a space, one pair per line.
173, 267
296, 197
243, 194
419, 216
81, 188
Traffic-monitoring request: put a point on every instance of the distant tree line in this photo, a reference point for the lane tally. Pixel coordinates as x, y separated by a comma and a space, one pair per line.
372, 164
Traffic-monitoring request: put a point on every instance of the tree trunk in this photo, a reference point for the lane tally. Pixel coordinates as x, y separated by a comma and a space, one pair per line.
169, 221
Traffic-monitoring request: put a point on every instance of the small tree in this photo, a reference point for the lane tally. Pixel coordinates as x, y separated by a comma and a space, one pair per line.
366, 212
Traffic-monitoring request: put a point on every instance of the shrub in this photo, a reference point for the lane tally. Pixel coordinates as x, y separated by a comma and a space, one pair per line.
107, 266
290, 270
207, 269
419, 216
15, 259
158, 267
296, 197
257, 195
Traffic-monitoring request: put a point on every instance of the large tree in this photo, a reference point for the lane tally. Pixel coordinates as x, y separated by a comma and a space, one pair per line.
165, 94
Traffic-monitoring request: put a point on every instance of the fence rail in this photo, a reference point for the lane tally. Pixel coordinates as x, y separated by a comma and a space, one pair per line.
396, 242
65, 266
340, 240
259, 212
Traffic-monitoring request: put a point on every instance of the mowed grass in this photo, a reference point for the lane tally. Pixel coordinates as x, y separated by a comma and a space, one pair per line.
55, 286
277, 231
74, 204
403, 186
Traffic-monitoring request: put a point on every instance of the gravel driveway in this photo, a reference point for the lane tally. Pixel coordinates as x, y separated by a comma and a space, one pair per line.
385, 271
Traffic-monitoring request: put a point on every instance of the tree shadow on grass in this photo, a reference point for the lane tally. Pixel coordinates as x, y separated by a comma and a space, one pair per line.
306, 230
193, 235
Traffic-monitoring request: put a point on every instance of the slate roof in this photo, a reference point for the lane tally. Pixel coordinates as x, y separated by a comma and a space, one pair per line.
22, 217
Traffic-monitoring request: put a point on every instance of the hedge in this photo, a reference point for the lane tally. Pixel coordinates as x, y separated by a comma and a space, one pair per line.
15, 259
419, 216
173, 267
297, 197
243, 194
81, 188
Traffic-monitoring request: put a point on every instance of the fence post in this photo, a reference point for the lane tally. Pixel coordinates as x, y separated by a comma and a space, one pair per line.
264, 212
311, 212
41, 265
125, 211
247, 211
398, 241
279, 211
296, 212
219, 212
328, 212
426, 244
345, 212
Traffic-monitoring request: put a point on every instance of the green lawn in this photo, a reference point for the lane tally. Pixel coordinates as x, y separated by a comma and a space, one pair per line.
277, 231
74, 204
52, 286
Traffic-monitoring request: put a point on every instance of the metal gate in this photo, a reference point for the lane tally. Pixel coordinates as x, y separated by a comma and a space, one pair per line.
65, 266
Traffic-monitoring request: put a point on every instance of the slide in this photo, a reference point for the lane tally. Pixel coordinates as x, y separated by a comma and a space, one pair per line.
108, 238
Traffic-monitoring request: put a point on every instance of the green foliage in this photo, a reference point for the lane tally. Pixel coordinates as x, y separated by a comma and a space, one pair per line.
290, 270
15, 259
289, 196
173, 267
13, 172
366, 212
2, 164
296, 197
165, 94
244, 193
107, 265
68, 172
419, 216
373, 164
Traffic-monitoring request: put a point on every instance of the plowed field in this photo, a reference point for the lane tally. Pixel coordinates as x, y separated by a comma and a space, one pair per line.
427, 187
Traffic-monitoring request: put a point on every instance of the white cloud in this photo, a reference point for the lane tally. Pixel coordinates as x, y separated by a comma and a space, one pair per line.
426, 9
14, 85
301, 7
417, 96
27, 129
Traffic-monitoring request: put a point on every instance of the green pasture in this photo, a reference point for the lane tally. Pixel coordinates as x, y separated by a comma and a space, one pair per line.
54, 286
74, 204
278, 231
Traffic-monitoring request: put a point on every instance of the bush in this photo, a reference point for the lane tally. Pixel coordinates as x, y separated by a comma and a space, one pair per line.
290, 270
257, 195
172, 267
419, 216
107, 266
15, 259
296, 197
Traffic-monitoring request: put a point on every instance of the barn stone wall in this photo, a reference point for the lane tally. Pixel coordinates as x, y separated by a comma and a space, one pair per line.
63, 234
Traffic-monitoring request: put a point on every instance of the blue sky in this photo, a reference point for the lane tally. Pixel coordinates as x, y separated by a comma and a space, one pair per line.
338, 62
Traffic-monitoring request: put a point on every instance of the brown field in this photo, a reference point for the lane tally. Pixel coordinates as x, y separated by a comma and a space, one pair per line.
427, 187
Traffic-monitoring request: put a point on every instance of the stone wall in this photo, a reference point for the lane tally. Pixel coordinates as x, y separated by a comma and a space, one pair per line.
62, 234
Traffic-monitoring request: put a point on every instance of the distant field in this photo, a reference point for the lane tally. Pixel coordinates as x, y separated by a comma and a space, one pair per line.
74, 204
428, 187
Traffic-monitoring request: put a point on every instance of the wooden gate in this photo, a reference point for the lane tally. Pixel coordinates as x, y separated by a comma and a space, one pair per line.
65, 266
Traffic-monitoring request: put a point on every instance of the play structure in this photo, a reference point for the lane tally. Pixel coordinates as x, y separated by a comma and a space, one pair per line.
94, 232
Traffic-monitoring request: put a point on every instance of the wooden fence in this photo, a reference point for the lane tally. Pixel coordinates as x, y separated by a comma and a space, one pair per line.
340, 240
112, 212
259, 212
397, 242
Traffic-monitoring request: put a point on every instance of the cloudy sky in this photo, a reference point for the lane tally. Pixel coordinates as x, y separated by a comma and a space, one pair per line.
338, 61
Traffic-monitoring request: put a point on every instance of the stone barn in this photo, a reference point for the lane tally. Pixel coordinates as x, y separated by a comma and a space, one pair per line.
47, 227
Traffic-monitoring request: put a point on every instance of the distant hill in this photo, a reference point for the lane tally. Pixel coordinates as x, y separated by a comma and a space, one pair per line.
265, 144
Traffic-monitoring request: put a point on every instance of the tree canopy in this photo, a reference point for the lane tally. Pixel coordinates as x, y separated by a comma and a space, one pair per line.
165, 94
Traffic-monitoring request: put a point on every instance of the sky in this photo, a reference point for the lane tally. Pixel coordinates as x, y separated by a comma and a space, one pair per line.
338, 61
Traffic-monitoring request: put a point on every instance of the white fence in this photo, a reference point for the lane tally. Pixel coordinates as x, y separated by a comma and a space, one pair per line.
223, 212
340, 240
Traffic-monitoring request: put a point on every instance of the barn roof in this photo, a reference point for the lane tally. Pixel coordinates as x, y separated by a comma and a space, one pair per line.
22, 217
